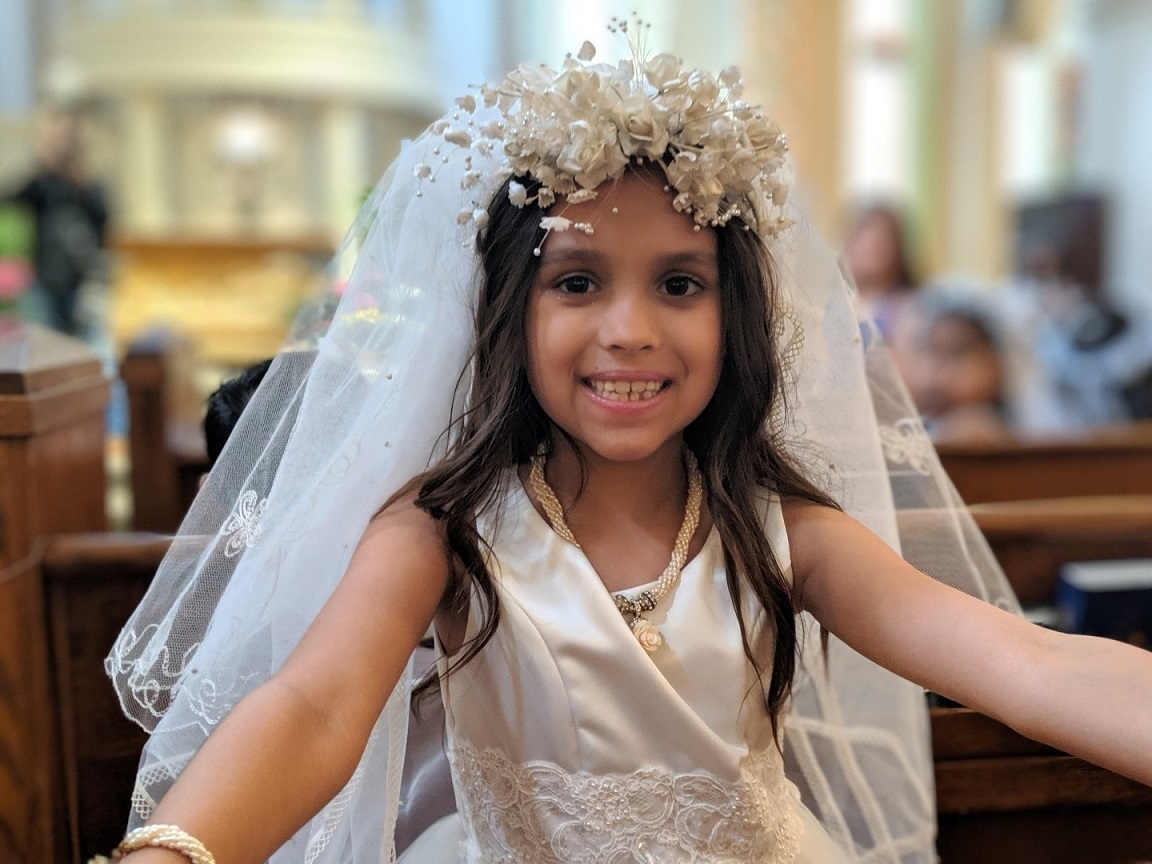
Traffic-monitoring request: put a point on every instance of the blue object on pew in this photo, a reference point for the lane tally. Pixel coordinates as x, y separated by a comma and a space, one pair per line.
1107, 598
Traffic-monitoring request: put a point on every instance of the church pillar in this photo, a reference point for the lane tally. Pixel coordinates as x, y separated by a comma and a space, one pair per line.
345, 155
793, 58
143, 203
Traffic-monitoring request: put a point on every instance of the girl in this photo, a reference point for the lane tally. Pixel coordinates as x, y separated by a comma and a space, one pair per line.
613, 542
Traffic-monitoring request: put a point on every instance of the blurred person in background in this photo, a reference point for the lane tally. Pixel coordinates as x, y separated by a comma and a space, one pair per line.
875, 250
947, 349
1078, 362
70, 215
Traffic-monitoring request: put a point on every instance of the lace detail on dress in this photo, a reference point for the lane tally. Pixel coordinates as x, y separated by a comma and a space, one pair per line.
538, 813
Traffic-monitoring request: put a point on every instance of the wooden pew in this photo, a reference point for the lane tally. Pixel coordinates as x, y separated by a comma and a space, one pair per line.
92, 583
1003, 799
52, 400
1032, 539
1112, 461
165, 434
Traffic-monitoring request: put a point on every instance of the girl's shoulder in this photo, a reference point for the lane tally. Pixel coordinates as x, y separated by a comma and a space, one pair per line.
402, 529
809, 525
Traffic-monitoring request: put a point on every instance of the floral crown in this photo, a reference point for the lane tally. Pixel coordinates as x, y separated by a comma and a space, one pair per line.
571, 130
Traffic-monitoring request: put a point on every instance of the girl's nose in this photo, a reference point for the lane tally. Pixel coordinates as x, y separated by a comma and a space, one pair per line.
630, 323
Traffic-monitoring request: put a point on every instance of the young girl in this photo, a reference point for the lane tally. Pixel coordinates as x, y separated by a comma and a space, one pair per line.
657, 401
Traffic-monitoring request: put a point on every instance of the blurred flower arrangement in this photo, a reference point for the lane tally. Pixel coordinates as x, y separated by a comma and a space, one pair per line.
15, 270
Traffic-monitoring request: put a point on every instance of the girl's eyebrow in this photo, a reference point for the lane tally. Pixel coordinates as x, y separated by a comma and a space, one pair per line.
579, 255
701, 259
572, 255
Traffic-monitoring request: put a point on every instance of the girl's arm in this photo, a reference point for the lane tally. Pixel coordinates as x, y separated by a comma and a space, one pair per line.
292, 744
1087, 696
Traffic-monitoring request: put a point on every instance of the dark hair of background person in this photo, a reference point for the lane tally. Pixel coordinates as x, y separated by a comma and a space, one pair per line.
227, 403
887, 222
504, 425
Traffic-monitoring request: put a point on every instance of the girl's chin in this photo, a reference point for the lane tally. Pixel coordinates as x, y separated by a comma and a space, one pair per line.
617, 449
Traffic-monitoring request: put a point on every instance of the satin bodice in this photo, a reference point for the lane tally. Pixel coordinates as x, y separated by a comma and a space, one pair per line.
569, 741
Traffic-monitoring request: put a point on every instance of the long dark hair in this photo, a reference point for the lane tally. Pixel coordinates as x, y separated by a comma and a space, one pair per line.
503, 425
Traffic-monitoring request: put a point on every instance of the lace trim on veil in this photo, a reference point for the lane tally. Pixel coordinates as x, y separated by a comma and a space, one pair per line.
539, 813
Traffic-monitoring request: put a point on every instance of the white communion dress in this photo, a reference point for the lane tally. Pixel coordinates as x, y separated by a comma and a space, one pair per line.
570, 743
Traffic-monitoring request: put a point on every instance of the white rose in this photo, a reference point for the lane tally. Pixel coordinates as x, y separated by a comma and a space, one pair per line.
730, 78
662, 70
647, 634
586, 156
764, 134
644, 126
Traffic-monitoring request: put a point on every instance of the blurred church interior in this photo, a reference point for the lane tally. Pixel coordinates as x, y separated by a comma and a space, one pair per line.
234, 140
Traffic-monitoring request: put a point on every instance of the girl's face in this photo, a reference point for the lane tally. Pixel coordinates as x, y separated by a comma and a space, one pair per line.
624, 325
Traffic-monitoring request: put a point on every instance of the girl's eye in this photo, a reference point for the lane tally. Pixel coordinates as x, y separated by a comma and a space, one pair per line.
682, 286
575, 285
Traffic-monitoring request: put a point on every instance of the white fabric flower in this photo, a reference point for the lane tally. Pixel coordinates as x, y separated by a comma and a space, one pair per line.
580, 195
647, 634
555, 223
517, 194
458, 137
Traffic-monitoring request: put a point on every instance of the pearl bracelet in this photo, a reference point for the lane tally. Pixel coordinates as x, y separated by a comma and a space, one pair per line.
165, 837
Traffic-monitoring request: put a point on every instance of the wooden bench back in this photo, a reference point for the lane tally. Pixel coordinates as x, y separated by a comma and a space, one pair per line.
1114, 461
1033, 539
1003, 799
92, 583
165, 432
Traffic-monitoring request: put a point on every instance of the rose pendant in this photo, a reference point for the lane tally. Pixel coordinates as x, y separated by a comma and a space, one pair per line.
647, 634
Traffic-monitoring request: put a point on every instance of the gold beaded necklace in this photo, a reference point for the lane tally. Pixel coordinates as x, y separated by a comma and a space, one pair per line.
632, 608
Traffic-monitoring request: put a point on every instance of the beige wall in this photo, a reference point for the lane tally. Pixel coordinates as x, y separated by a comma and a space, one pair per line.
792, 54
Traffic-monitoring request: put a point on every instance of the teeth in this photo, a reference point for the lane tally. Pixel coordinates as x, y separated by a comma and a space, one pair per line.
627, 391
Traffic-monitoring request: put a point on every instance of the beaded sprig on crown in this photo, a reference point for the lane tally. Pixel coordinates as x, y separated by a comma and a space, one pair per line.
632, 608
570, 131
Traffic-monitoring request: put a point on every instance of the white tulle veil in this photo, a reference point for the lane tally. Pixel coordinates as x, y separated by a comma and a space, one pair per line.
358, 402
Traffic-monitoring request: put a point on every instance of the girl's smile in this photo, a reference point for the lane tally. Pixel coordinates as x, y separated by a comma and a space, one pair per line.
624, 324
627, 388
